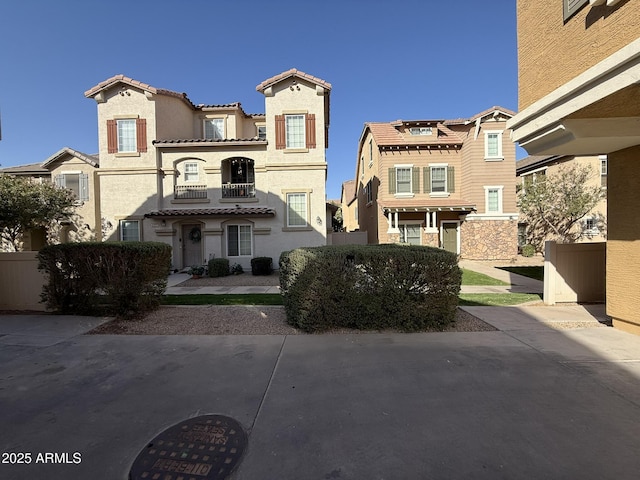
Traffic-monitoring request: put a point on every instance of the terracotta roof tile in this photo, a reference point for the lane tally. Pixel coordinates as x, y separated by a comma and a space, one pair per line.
209, 212
386, 134
291, 73
187, 141
27, 169
462, 121
534, 161
89, 159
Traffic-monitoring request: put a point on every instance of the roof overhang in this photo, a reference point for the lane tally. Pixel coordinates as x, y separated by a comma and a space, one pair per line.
587, 115
433, 208
213, 212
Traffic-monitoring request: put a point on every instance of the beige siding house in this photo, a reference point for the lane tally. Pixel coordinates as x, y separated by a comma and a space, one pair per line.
349, 206
593, 228
579, 64
443, 183
213, 180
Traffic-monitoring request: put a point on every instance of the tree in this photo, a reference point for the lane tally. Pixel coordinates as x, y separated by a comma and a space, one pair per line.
553, 205
25, 205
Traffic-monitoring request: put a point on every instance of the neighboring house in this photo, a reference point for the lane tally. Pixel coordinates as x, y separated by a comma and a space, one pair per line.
534, 168
443, 183
213, 180
579, 64
349, 206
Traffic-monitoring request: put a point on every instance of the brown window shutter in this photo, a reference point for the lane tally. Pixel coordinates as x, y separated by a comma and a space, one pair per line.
141, 134
415, 173
112, 136
310, 132
281, 140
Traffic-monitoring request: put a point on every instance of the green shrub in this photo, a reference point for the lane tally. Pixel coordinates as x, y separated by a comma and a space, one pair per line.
528, 250
218, 267
408, 288
236, 269
104, 278
262, 266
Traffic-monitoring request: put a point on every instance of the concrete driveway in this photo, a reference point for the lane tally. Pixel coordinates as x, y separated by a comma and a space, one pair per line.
519, 403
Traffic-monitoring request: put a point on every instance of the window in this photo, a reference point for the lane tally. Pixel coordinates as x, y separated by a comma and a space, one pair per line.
262, 132
370, 153
570, 7
126, 136
410, 233
214, 128
369, 192
493, 145
294, 127
403, 180
130, 230
420, 130
493, 199
438, 179
239, 240
296, 209
603, 171
191, 172
295, 131
78, 183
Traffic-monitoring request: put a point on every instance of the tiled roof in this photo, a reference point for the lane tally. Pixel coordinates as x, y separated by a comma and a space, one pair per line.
534, 161
89, 159
187, 141
386, 134
209, 212
433, 203
349, 189
292, 73
27, 169
116, 79
495, 108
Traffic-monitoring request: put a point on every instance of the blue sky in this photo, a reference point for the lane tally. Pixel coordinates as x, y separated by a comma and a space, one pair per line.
386, 60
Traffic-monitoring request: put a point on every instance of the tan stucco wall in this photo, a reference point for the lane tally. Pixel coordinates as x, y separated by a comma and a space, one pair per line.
623, 244
551, 53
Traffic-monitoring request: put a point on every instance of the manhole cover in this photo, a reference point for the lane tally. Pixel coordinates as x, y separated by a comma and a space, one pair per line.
202, 448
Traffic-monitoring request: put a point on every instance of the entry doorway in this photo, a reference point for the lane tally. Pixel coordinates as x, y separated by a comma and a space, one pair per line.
191, 244
449, 236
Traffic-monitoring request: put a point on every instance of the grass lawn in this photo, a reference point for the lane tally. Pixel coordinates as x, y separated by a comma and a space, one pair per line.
496, 299
470, 277
536, 272
224, 299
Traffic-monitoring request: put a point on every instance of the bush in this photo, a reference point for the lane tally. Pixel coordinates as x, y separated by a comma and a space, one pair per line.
218, 267
408, 288
237, 269
92, 278
528, 251
262, 266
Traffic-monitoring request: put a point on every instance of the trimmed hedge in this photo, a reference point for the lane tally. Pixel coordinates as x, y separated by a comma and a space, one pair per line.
370, 287
95, 278
219, 267
262, 266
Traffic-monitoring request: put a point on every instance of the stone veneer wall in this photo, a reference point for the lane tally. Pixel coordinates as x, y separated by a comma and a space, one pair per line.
489, 239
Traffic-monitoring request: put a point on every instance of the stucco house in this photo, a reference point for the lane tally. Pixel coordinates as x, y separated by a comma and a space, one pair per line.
209, 180
579, 64
443, 183
349, 206
593, 227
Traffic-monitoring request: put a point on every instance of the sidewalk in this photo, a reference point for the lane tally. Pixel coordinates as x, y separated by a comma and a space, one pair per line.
176, 278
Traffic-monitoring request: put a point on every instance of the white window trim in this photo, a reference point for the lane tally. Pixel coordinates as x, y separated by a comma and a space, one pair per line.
197, 172
431, 225
500, 189
410, 193
446, 179
410, 222
228, 236
307, 195
224, 127
499, 156
414, 131
135, 134
303, 143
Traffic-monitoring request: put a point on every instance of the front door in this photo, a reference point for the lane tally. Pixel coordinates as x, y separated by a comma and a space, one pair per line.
191, 245
450, 236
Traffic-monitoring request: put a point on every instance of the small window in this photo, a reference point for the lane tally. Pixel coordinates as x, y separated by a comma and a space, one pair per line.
239, 240
493, 199
262, 132
130, 230
403, 180
369, 192
126, 136
191, 172
420, 130
214, 129
590, 226
438, 179
296, 209
294, 128
370, 153
78, 183
493, 146
571, 7
603, 171
410, 233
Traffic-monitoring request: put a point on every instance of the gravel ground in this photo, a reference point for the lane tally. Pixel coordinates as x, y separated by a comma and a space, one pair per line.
236, 320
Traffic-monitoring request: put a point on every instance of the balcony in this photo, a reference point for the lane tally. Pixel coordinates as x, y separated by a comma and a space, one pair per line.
189, 192
238, 190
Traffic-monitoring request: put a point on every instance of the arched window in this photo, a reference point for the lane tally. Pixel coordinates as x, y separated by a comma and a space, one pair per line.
238, 178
